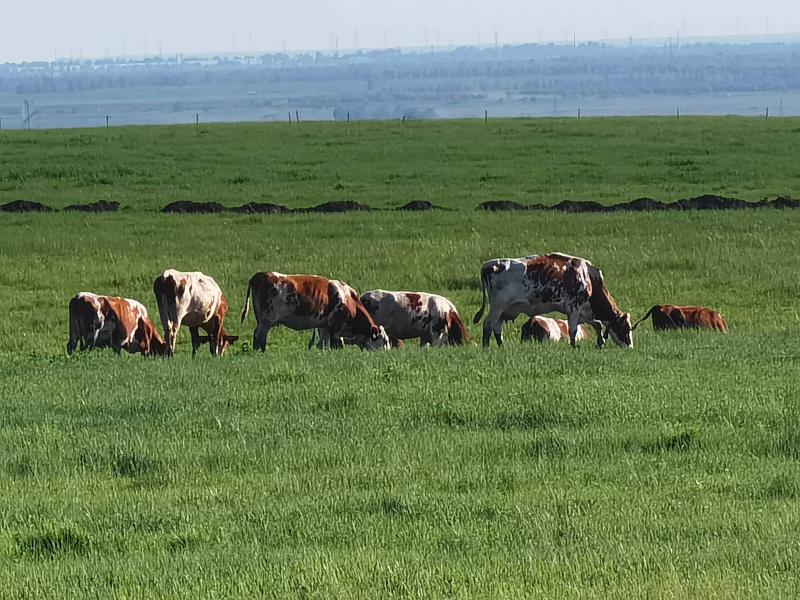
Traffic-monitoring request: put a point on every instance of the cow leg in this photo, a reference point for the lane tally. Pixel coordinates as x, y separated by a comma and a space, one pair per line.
573, 320
493, 324
598, 328
217, 337
196, 343
260, 335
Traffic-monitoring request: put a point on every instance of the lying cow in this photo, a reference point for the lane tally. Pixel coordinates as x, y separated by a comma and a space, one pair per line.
196, 301
303, 302
108, 321
555, 282
669, 316
545, 329
408, 315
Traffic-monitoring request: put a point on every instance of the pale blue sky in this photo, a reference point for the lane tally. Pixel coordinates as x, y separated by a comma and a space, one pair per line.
40, 29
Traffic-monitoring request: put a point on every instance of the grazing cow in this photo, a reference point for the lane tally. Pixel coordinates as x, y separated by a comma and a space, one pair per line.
101, 321
555, 282
407, 315
543, 329
309, 302
196, 301
669, 316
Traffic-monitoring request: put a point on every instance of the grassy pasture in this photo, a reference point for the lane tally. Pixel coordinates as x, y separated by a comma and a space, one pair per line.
533, 471
386, 164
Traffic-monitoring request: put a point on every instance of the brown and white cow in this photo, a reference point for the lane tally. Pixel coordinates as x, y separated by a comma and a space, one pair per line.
97, 321
670, 316
408, 315
546, 329
536, 285
195, 300
303, 302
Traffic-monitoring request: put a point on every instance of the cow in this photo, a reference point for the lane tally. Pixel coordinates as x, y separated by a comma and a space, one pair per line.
408, 315
303, 302
195, 300
543, 329
670, 316
97, 321
554, 282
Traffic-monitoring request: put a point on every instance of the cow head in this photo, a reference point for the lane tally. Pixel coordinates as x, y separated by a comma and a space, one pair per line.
620, 330
149, 341
227, 341
376, 340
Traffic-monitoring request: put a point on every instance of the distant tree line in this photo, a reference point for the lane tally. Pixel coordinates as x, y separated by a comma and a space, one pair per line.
567, 71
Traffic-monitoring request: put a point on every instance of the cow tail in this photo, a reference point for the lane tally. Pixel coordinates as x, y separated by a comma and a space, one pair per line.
644, 318
246, 307
457, 334
486, 273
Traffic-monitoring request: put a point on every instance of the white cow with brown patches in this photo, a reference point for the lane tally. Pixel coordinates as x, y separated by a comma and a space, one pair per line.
409, 315
546, 329
195, 300
555, 282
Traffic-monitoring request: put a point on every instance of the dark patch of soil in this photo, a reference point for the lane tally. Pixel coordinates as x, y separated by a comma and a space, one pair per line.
94, 207
780, 202
24, 206
339, 206
579, 206
188, 206
261, 208
419, 205
710, 202
500, 205
640, 205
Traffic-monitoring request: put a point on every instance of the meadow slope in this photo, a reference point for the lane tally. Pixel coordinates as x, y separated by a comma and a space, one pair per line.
386, 164
532, 471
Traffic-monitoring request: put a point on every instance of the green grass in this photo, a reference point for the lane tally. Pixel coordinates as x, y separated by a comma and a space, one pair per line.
671, 470
385, 164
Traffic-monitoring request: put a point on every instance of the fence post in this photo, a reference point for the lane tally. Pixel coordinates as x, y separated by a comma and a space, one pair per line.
579, 112
677, 113
348, 116
766, 114
485, 116
290, 116
296, 116
106, 120
197, 118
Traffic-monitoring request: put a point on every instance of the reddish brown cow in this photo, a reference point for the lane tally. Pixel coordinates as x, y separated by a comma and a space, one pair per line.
670, 316
309, 302
101, 321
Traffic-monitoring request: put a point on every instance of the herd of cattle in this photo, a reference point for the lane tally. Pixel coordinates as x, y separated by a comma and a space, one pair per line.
532, 285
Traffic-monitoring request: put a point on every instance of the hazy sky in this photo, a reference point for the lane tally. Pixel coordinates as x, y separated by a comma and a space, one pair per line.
40, 29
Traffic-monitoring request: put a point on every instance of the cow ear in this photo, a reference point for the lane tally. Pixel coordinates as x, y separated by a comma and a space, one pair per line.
181, 287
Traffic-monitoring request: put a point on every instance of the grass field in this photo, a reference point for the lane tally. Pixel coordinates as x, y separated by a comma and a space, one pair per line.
453, 163
672, 470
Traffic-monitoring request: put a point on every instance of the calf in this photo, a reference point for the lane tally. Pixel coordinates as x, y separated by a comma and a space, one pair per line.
303, 302
536, 285
543, 329
669, 316
407, 315
195, 300
101, 321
